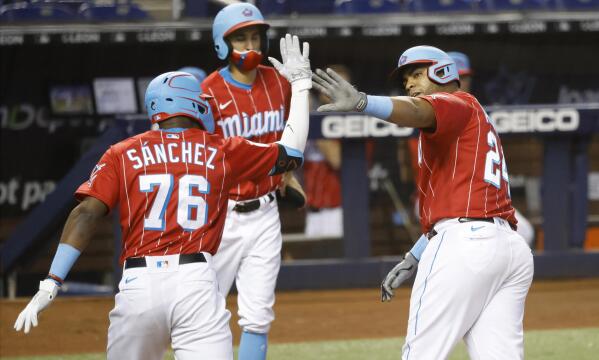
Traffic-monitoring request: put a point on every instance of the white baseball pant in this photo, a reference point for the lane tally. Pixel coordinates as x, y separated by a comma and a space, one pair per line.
167, 303
250, 254
471, 284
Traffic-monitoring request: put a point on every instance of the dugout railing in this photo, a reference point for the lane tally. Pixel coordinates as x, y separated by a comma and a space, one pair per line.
565, 130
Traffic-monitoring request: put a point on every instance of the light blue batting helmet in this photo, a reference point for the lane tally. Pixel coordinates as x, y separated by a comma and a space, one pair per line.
178, 93
195, 71
462, 62
234, 17
442, 68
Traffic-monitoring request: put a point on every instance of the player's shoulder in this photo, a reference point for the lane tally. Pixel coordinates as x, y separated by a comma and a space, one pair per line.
123, 145
214, 79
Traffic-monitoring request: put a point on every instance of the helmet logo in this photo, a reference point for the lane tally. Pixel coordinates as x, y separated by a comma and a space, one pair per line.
402, 60
247, 12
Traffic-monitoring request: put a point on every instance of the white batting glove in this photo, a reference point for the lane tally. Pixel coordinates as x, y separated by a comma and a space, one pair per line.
344, 97
296, 65
400, 273
38, 303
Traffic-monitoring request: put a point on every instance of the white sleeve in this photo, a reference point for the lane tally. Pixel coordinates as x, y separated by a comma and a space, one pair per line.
296, 130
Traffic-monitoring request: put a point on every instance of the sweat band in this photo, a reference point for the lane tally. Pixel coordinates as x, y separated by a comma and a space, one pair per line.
63, 261
379, 106
419, 247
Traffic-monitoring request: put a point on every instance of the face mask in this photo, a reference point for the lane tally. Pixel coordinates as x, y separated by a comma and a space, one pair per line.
246, 60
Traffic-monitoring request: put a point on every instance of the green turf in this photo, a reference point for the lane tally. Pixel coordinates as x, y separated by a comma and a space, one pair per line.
575, 344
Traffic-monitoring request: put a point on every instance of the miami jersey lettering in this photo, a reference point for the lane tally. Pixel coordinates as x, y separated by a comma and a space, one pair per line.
257, 112
477, 183
173, 190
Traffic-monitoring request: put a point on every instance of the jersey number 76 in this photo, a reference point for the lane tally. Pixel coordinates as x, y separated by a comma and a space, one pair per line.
187, 201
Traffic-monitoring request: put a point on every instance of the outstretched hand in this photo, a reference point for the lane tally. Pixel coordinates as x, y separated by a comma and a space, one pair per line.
296, 64
344, 97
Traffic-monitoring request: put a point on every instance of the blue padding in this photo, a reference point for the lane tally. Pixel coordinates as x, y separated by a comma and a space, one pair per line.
65, 257
379, 106
253, 346
293, 152
419, 247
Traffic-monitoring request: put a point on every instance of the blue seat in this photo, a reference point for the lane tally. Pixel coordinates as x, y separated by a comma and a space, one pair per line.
112, 12
579, 4
373, 6
521, 4
449, 5
282, 7
36, 12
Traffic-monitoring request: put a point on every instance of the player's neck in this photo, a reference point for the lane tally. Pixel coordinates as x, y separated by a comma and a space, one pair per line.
244, 77
179, 122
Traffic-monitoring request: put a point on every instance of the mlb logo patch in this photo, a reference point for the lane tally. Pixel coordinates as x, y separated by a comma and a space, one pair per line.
247, 12
162, 264
172, 136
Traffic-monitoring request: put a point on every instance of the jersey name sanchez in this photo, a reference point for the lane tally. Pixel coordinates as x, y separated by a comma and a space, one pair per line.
462, 170
173, 187
257, 112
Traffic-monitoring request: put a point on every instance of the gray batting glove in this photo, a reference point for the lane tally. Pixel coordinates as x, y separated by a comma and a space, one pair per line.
38, 303
400, 273
344, 97
296, 65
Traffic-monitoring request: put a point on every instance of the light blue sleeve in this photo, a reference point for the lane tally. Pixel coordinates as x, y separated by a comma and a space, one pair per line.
379, 106
65, 257
419, 247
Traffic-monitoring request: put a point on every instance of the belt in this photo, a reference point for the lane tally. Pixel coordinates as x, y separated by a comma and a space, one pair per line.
433, 232
249, 206
135, 262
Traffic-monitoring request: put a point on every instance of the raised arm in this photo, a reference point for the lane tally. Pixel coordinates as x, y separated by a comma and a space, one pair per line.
404, 111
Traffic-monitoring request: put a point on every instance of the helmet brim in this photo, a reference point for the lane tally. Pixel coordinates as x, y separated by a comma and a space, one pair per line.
244, 24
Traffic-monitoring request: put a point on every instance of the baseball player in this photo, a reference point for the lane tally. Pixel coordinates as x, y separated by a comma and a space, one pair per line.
172, 185
252, 101
474, 274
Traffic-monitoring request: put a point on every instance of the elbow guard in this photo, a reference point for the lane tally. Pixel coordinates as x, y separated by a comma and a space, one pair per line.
288, 159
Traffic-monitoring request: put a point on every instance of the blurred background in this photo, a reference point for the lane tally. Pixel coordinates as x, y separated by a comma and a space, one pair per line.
73, 76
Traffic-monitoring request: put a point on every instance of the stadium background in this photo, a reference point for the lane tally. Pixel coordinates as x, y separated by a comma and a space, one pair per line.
537, 52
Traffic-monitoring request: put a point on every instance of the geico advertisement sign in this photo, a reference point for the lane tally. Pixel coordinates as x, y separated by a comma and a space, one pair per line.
357, 126
539, 120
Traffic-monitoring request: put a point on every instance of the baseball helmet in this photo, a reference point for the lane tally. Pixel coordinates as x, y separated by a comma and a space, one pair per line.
178, 93
234, 17
195, 71
462, 62
442, 68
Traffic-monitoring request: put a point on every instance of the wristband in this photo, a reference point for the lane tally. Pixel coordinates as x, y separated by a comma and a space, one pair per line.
419, 247
63, 261
379, 106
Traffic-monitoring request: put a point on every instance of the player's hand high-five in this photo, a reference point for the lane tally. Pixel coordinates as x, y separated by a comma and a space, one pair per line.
344, 97
296, 64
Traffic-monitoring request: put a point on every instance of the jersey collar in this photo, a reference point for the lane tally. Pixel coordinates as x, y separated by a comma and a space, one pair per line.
226, 74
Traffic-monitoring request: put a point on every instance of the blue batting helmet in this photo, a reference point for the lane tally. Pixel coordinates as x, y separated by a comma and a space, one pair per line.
195, 71
442, 68
462, 62
234, 17
178, 93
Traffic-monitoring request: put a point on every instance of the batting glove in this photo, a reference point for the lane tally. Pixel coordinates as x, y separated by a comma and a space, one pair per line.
400, 273
296, 65
38, 303
344, 97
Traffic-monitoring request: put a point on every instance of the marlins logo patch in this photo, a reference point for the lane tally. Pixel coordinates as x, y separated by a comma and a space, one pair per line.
94, 174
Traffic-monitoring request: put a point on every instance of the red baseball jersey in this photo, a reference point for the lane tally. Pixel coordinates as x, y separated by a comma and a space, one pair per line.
173, 187
462, 170
257, 112
322, 182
